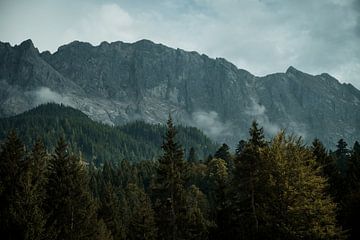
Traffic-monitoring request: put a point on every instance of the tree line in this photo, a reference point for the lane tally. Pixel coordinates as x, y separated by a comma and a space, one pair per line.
268, 189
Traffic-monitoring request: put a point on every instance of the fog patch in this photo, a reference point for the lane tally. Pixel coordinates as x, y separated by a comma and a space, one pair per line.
46, 95
258, 113
211, 124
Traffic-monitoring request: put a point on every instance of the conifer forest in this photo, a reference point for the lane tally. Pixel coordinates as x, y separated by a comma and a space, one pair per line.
276, 188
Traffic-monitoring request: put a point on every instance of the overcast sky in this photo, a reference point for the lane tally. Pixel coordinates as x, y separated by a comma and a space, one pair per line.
261, 36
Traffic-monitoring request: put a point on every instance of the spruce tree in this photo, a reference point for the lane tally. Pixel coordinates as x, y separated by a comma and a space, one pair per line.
31, 194
110, 211
247, 186
218, 181
72, 211
197, 223
342, 156
351, 201
223, 153
12, 159
329, 170
168, 190
192, 156
141, 224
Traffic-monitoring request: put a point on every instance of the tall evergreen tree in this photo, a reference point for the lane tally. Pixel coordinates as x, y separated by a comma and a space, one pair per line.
192, 155
247, 186
110, 211
353, 174
342, 156
72, 212
197, 223
30, 195
141, 224
351, 199
12, 158
224, 153
328, 169
240, 147
218, 182
169, 189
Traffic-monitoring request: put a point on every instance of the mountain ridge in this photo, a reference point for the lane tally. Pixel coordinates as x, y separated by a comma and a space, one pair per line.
120, 82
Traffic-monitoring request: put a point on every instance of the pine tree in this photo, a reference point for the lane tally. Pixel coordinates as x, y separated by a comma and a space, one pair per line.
329, 170
110, 211
168, 190
197, 223
30, 195
351, 199
342, 156
353, 174
223, 153
247, 186
72, 212
240, 148
218, 181
141, 224
192, 156
12, 158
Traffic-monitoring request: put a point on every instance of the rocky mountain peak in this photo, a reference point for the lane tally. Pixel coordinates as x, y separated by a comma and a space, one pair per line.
27, 46
292, 70
120, 82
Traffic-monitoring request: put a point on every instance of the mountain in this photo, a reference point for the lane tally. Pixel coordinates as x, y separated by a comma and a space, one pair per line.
96, 141
118, 82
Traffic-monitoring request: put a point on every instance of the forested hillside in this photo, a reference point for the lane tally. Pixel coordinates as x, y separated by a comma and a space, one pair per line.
269, 189
98, 142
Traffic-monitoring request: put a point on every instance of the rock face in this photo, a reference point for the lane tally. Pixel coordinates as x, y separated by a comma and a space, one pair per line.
118, 82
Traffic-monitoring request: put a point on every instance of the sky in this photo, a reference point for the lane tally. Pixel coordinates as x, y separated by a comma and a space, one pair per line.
261, 36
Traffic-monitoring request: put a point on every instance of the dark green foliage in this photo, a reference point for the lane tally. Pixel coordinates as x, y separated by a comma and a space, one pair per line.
72, 211
12, 158
110, 211
98, 142
192, 156
277, 190
247, 186
169, 188
353, 174
141, 224
31, 194
217, 182
351, 199
223, 153
342, 156
329, 170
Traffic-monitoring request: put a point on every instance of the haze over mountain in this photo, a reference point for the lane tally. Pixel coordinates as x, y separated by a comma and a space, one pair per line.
120, 82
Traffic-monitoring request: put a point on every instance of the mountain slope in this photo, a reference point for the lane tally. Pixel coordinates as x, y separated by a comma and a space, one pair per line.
119, 82
99, 142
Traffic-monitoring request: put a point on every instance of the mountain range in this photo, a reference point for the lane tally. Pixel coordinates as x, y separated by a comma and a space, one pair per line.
116, 83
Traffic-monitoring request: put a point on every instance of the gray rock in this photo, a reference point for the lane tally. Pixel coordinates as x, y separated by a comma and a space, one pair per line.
119, 82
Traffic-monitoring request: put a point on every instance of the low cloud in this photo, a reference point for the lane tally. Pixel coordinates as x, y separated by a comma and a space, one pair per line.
257, 112
46, 95
211, 125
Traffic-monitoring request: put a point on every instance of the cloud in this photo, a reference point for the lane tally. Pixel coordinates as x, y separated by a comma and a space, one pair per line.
211, 125
46, 95
257, 112
107, 22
